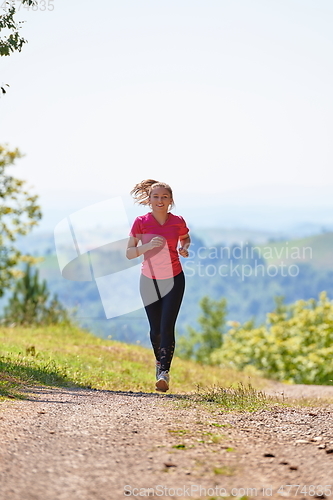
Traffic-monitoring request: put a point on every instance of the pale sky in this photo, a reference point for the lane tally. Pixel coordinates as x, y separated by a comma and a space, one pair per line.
209, 96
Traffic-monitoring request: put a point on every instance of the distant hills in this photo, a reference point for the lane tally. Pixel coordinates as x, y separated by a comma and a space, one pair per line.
210, 270
316, 251
272, 218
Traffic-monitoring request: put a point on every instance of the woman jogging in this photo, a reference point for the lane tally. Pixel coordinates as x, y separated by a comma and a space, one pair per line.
162, 281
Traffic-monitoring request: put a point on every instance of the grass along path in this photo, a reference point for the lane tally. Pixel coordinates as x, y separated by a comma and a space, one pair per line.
67, 356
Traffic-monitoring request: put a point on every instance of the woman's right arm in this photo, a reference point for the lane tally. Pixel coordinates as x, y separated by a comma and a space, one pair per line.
133, 250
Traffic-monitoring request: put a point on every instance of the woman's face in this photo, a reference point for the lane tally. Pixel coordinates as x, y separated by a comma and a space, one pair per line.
160, 199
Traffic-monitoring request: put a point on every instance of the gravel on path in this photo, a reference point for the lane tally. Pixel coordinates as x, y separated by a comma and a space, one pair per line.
77, 444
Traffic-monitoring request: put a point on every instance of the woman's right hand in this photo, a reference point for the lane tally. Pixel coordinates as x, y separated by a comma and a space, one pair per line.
157, 241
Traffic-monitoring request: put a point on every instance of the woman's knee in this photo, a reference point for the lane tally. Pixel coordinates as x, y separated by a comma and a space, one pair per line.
168, 332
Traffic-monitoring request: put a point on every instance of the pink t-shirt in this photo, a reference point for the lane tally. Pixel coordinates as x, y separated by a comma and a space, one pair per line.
161, 262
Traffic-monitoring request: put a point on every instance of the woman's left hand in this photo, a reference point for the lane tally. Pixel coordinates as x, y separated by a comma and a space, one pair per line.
183, 252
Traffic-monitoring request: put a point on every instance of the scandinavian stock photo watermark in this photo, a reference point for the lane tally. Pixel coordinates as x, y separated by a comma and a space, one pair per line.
244, 260
290, 490
19, 5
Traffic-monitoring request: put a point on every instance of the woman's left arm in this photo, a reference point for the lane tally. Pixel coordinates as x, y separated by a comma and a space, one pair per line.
185, 242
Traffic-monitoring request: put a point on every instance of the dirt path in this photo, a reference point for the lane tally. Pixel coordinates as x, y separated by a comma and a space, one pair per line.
74, 444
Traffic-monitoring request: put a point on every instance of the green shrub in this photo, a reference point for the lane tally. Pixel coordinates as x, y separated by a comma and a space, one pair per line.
198, 345
295, 345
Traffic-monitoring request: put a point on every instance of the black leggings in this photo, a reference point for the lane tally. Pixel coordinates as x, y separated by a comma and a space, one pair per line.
162, 300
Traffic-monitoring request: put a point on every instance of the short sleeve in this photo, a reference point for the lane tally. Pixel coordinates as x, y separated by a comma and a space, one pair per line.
136, 229
183, 229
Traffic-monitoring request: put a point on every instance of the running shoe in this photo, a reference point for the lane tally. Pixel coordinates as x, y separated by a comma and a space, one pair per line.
158, 369
162, 383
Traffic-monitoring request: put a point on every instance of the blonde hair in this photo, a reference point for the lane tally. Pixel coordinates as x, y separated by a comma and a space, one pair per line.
141, 191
